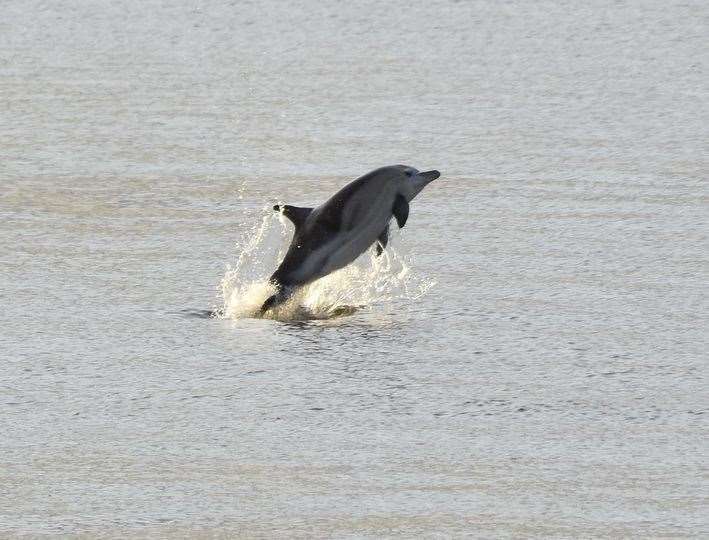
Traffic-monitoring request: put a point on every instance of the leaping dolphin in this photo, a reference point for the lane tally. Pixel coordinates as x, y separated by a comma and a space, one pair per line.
334, 234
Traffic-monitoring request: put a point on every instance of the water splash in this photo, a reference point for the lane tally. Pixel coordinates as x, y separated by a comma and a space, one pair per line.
367, 282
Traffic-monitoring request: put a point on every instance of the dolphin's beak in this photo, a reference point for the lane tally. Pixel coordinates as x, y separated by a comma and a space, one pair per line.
420, 181
429, 176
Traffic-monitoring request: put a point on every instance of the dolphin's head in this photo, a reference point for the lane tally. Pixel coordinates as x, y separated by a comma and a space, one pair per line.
412, 181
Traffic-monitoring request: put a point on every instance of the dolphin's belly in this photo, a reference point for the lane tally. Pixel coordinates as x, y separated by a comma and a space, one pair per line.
363, 220
342, 249
348, 248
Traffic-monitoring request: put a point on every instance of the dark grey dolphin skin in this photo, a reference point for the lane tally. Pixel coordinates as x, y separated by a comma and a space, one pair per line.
333, 235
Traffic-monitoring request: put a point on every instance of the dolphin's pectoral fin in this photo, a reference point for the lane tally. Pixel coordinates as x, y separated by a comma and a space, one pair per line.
296, 214
401, 210
383, 240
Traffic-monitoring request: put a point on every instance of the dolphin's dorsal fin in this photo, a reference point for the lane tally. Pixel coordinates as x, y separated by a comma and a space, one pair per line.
296, 214
400, 210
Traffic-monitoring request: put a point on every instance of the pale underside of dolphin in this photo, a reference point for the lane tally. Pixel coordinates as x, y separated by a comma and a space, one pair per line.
334, 234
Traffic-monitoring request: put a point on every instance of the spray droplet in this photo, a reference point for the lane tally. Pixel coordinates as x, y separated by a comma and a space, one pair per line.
368, 282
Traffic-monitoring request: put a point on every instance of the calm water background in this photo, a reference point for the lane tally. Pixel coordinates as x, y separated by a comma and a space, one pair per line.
553, 381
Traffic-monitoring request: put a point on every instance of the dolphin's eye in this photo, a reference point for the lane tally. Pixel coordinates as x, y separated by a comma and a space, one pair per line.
409, 173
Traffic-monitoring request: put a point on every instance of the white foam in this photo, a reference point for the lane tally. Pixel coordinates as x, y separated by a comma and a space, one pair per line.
368, 282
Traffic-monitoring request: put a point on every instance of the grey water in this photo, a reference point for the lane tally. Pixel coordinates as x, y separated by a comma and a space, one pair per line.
546, 378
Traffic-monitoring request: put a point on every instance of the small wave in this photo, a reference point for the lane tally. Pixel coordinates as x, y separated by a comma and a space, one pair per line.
367, 282
200, 313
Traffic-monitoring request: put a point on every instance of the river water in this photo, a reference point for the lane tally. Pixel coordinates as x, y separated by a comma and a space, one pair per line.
530, 357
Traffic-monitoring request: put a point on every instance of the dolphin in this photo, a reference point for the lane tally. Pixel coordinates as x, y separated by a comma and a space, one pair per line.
334, 234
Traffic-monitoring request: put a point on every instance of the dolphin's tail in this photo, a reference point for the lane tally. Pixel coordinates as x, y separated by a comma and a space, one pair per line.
281, 295
268, 304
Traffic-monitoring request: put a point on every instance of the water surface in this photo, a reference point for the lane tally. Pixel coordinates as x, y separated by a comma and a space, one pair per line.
533, 361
